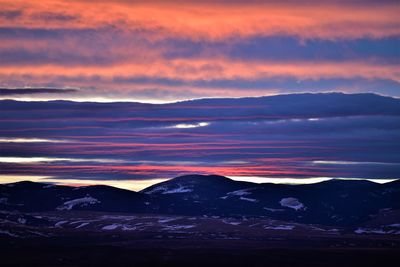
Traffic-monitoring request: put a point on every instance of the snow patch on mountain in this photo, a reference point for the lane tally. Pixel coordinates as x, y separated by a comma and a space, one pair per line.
279, 227
231, 222
58, 224
118, 226
157, 189
165, 220
177, 227
248, 199
80, 202
118, 217
273, 210
128, 228
242, 192
82, 225
166, 190
180, 189
293, 203
376, 231
111, 227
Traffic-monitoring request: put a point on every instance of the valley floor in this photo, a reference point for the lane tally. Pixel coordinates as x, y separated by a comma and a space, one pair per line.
205, 254
104, 239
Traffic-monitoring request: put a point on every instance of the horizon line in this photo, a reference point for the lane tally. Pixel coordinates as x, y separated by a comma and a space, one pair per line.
129, 184
157, 102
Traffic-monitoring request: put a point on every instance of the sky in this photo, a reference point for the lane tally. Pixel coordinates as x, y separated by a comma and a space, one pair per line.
160, 52
164, 51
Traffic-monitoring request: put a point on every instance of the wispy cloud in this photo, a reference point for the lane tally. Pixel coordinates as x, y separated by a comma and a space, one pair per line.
213, 20
23, 160
188, 126
31, 140
166, 51
287, 136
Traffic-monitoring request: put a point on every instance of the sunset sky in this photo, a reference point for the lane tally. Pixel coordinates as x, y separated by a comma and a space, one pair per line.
167, 51
157, 51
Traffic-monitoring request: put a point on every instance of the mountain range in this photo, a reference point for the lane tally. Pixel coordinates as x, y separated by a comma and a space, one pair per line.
334, 202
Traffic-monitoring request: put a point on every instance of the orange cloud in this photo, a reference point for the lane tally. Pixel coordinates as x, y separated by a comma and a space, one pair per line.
212, 20
210, 69
116, 44
188, 71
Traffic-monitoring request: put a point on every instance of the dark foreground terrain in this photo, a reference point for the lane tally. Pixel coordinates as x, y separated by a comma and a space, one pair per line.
79, 238
195, 253
201, 220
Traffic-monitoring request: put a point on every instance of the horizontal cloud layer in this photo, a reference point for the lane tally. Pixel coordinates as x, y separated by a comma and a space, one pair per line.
290, 136
161, 51
212, 19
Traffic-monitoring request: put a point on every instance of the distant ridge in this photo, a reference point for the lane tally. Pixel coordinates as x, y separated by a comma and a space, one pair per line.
370, 96
334, 202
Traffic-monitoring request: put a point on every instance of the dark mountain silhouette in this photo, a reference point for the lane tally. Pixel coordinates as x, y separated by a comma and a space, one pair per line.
278, 106
30, 196
334, 202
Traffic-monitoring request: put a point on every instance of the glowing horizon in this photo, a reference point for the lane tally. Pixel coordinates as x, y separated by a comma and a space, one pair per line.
138, 185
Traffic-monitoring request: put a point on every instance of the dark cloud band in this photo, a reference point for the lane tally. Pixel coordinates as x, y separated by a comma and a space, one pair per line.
31, 91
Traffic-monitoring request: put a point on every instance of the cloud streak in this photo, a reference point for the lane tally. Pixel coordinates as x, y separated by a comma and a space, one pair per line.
286, 136
212, 20
30, 91
167, 51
